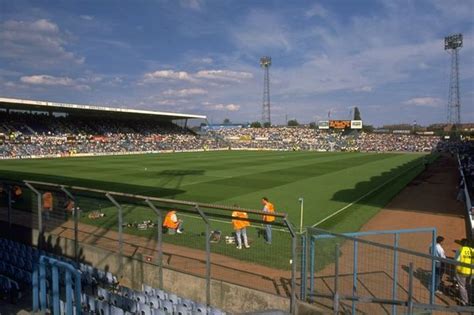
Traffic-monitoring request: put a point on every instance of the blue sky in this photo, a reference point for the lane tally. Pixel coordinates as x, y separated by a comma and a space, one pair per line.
197, 56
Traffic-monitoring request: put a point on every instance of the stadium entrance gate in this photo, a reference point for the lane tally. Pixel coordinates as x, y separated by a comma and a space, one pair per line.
372, 272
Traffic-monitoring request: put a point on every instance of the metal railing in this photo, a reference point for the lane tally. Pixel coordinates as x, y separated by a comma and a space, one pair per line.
41, 289
467, 200
352, 274
119, 205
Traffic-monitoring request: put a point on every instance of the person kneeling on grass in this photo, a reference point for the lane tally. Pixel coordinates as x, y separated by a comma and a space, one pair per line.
240, 227
172, 224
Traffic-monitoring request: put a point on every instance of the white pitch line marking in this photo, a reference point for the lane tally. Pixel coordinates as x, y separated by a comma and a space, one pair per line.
362, 197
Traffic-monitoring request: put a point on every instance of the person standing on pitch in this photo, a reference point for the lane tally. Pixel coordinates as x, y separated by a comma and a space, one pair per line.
240, 227
269, 208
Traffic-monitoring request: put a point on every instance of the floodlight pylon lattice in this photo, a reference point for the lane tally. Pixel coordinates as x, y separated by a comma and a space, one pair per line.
265, 63
452, 44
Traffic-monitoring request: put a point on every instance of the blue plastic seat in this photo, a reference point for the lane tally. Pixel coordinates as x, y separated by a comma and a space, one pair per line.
103, 308
129, 305
144, 309
161, 294
167, 306
173, 298
188, 304
115, 299
200, 309
154, 302
148, 290
102, 294
140, 298
114, 310
182, 310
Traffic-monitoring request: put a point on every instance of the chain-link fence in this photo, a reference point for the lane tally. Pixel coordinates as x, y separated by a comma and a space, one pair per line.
130, 226
371, 273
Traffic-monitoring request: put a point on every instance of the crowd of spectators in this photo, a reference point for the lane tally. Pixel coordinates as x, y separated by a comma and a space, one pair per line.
25, 135
288, 138
466, 157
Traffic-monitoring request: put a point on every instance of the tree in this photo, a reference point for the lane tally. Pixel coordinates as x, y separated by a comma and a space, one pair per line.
357, 114
267, 125
312, 125
293, 123
226, 121
256, 124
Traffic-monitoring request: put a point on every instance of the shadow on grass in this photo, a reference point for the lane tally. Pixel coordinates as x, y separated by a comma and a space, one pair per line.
379, 190
90, 183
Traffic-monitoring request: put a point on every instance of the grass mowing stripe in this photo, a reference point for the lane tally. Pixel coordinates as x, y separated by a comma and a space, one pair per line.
364, 196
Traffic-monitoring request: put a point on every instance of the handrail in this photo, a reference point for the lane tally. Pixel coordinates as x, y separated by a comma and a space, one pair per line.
282, 215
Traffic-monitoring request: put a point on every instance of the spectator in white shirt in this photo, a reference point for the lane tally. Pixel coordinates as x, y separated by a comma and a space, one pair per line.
439, 266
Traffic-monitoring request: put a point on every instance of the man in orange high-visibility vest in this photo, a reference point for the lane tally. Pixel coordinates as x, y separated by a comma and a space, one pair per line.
47, 204
268, 207
240, 227
172, 223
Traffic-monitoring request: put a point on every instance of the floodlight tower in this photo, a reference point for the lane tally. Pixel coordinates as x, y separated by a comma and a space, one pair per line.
265, 63
452, 44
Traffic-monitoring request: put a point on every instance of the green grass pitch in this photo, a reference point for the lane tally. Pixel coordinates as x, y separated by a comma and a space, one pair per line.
326, 181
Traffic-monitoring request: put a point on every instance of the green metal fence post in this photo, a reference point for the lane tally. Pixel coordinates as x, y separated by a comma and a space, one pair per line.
208, 255
336, 281
160, 241
76, 223
39, 214
120, 229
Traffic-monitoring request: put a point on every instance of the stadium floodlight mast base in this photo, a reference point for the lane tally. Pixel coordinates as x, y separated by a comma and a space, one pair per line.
452, 44
265, 63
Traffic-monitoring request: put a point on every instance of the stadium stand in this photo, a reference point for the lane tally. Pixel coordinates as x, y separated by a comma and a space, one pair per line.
26, 135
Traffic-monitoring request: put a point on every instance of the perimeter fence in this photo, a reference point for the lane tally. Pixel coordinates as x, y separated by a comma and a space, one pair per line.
66, 220
376, 273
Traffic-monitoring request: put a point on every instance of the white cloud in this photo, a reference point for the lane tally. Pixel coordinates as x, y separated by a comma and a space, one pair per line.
49, 80
364, 88
203, 75
223, 107
184, 92
191, 4
87, 17
167, 75
46, 80
260, 32
424, 101
317, 10
225, 75
36, 44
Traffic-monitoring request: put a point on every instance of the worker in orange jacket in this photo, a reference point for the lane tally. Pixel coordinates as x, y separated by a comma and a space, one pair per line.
269, 208
47, 204
240, 227
172, 224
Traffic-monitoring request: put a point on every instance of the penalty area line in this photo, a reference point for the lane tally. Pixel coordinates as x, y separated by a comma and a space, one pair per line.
362, 197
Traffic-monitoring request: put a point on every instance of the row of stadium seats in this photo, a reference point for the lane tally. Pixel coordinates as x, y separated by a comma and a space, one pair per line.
148, 301
17, 262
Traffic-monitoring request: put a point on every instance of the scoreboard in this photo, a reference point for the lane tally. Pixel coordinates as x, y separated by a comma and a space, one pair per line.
339, 124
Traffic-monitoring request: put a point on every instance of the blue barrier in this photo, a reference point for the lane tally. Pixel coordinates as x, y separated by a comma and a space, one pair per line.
40, 291
326, 235
467, 198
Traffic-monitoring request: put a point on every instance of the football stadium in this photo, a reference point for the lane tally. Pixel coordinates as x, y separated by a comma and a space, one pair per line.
120, 194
